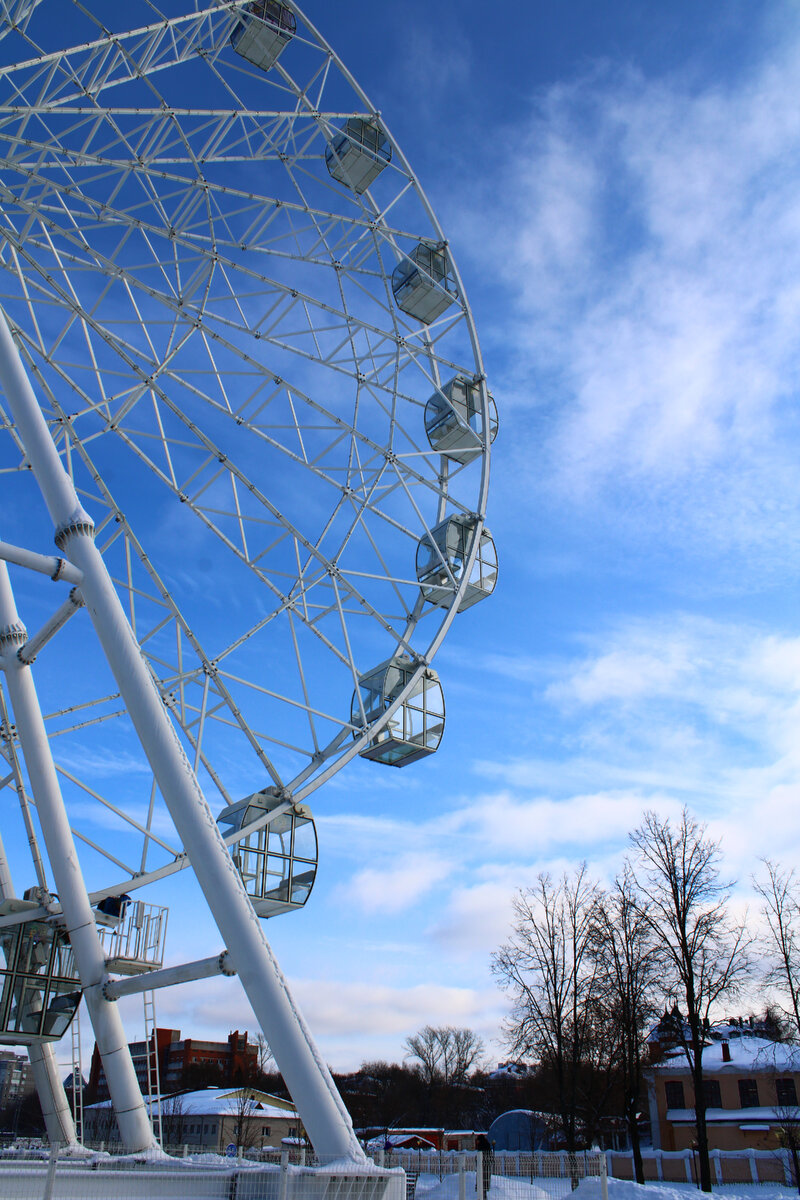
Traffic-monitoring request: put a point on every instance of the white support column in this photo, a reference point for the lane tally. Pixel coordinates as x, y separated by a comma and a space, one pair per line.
87, 948
307, 1077
42, 1055
52, 1097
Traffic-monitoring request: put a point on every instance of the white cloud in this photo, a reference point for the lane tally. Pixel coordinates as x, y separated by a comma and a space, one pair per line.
652, 252
395, 885
351, 1019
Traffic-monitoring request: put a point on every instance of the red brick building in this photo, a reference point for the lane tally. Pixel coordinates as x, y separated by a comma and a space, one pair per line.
184, 1061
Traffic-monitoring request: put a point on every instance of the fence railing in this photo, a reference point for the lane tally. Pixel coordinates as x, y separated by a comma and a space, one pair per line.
680, 1166
255, 1174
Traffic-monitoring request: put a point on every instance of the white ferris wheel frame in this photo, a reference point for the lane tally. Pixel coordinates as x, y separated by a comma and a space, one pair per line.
204, 848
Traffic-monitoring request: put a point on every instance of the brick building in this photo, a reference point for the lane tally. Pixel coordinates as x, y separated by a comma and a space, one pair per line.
184, 1061
15, 1077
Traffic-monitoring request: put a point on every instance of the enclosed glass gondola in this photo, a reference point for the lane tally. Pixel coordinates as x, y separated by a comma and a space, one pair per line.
133, 934
423, 284
278, 862
442, 556
263, 31
454, 421
358, 154
40, 987
417, 726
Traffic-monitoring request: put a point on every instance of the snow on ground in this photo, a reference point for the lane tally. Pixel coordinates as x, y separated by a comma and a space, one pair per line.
589, 1189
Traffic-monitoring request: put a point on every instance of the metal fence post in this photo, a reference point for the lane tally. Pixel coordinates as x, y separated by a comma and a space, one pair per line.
479, 1174
50, 1178
283, 1185
462, 1177
603, 1176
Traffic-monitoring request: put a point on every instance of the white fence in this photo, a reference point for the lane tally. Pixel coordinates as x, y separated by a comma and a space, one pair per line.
202, 1177
548, 1168
397, 1175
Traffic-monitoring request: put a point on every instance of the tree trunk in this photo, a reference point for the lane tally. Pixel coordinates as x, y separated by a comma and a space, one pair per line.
702, 1129
636, 1146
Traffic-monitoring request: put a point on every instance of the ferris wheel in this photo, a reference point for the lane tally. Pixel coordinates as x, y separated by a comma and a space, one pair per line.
242, 381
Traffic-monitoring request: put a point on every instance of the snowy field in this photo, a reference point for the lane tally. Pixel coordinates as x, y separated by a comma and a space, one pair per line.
589, 1189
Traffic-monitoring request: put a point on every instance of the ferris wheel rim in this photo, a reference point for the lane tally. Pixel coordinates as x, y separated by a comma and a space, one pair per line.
349, 751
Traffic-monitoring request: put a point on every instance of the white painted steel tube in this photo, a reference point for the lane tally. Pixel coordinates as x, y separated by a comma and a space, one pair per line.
42, 1055
134, 1124
204, 968
45, 564
50, 628
305, 1073
52, 1097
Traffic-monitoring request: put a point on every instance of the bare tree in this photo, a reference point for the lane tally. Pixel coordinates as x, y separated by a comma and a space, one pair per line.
780, 893
445, 1054
425, 1047
467, 1053
706, 955
173, 1120
789, 1137
244, 1106
266, 1059
548, 969
630, 962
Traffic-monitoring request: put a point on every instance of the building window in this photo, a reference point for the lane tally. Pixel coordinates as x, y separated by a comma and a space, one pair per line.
712, 1093
748, 1093
673, 1091
785, 1091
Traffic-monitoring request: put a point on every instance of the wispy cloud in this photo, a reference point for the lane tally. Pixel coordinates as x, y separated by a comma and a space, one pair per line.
653, 254
397, 884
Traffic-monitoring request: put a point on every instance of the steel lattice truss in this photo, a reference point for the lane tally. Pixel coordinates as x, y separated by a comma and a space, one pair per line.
208, 319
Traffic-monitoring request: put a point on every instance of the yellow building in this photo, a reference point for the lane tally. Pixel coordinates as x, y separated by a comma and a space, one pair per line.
751, 1087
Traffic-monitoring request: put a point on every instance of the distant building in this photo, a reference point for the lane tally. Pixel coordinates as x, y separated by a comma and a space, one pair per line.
522, 1130
511, 1070
399, 1141
751, 1086
421, 1137
181, 1061
208, 1120
15, 1077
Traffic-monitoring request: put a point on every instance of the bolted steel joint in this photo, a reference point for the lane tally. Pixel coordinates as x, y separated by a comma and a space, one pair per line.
65, 532
12, 637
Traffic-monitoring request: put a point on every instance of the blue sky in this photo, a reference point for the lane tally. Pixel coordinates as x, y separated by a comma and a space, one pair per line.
619, 185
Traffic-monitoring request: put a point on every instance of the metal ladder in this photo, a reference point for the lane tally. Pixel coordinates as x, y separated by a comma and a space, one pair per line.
153, 1077
77, 1076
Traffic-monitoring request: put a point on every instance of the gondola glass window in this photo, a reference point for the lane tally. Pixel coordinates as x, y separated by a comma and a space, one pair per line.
454, 420
417, 726
262, 32
423, 284
442, 555
357, 156
41, 991
278, 863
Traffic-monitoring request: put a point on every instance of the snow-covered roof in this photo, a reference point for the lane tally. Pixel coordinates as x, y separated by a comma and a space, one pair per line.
510, 1070
746, 1053
219, 1102
397, 1139
735, 1116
